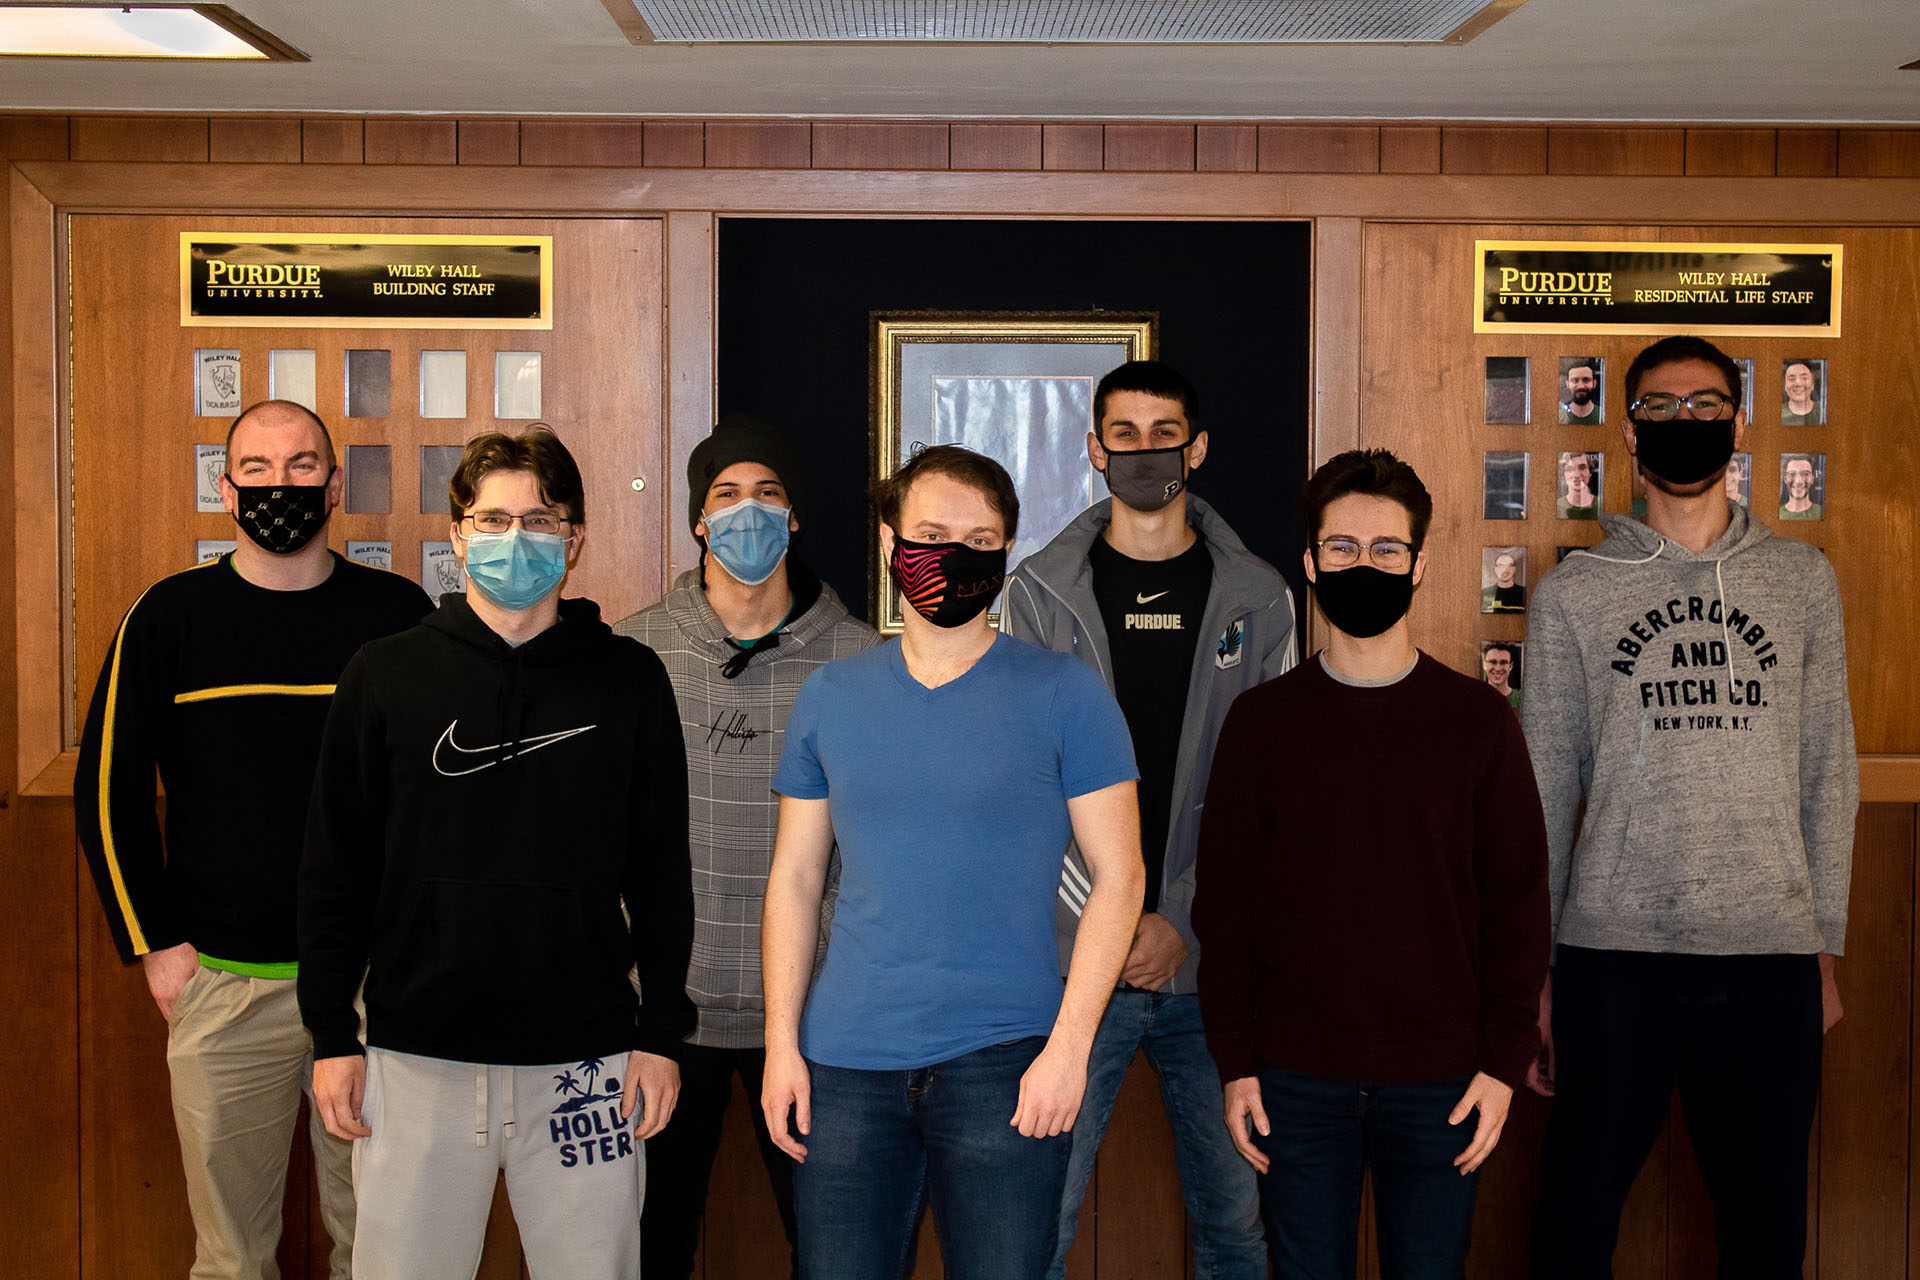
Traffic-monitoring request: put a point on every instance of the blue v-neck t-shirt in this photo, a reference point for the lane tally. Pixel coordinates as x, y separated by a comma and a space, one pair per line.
950, 809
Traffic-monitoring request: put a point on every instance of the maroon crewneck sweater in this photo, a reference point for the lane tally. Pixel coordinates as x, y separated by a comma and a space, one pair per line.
1372, 881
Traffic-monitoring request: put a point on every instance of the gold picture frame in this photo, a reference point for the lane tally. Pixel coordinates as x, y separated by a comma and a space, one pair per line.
1017, 385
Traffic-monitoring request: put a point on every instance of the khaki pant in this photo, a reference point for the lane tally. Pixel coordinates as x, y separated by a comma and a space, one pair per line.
240, 1059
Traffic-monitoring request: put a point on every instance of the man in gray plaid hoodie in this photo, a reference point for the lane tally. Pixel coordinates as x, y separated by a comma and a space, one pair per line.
739, 634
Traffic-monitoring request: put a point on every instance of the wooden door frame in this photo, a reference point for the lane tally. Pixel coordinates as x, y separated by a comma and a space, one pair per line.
44, 193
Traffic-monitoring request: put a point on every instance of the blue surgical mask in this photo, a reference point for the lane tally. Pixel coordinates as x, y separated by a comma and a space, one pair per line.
749, 539
516, 569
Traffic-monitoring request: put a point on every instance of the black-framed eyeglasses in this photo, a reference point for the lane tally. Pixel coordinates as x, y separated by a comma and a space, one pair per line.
501, 521
1340, 552
1659, 406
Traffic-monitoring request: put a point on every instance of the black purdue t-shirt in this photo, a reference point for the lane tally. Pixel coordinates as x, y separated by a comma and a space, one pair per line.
1152, 610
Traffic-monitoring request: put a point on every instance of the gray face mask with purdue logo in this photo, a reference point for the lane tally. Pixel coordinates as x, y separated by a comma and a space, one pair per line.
1147, 479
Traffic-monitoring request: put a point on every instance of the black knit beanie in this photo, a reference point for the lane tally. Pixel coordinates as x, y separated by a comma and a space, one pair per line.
740, 438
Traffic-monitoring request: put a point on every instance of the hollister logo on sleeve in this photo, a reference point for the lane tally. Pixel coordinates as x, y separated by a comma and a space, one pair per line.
1226, 654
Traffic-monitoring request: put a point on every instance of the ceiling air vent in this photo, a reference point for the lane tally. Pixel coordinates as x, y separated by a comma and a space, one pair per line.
1058, 21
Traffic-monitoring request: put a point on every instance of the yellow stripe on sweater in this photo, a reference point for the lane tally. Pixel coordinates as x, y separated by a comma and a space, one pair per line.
135, 934
251, 690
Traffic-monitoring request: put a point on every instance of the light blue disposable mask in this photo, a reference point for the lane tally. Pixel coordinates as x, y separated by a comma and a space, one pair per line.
516, 569
749, 539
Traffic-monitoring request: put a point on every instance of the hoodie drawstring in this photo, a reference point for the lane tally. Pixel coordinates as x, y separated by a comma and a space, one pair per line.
1719, 585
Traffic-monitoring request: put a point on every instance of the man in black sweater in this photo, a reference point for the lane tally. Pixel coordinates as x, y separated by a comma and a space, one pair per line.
498, 835
1372, 908
220, 676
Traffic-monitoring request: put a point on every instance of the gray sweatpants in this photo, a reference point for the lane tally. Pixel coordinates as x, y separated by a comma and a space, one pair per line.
442, 1132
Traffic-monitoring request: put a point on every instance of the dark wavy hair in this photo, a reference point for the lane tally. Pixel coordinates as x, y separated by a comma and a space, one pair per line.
537, 450
1375, 473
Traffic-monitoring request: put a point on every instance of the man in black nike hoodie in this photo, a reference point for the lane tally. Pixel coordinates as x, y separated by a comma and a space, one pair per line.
495, 785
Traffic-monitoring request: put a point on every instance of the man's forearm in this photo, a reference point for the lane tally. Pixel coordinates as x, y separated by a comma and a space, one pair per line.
789, 933
1100, 947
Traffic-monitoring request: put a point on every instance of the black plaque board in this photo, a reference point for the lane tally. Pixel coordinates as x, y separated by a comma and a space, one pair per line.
1657, 287
366, 281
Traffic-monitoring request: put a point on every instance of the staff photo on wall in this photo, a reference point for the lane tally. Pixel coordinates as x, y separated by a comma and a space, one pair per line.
1503, 579
1581, 478
1500, 667
1740, 479
1504, 484
1583, 389
1803, 486
1803, 392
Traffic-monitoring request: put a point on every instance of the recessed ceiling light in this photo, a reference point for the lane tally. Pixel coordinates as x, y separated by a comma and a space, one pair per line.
136, 31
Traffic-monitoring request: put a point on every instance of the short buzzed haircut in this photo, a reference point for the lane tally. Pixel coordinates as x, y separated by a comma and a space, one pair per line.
1673, 350
975, 470
1150, 377
294, 405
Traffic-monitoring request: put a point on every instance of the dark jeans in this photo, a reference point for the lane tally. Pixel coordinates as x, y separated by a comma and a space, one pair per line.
680, 1158
1326, 1134
885, 1143
1741, 1035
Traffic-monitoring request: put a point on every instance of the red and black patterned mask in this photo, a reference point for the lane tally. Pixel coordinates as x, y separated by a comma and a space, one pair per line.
947, 583
281, 518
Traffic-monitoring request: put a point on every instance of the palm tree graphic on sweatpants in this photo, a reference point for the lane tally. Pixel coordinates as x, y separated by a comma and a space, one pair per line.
577, 1095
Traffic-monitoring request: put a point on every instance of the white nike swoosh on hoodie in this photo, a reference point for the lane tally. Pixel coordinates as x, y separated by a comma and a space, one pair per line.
525, 745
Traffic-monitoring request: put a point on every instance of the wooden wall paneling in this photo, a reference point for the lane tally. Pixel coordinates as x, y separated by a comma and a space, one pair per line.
1073, 146
993, 146
1331, 148
37, 476
690, 410
139, 138
879, 145
1866, 1105
1139, 1217
1731, 152
1493, 149
581, 142
1691, 1249
253, 140
500, 1256
674, 144
1509, 1193
332, 140
301, 1234
33, 137
1879, 153
759, 144
1807, 153
742, 1238
1614, 152
1337, 337
1227, 148
40, 1192
1149, 147
1410, 148
488, 142
412, 141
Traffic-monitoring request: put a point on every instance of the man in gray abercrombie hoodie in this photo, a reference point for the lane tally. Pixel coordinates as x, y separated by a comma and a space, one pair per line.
739, 634
1687, 680
1158, 595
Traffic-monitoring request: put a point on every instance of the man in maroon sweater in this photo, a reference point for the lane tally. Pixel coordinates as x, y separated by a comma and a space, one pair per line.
1372, 908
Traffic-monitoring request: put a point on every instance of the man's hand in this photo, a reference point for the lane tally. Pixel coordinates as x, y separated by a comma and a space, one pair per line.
1050, 1091
784, 1087
657, 1081
1243, 1105
1492, 1099
168, 973
1540, 1070
1831, 1010
339, 1087
1157, 954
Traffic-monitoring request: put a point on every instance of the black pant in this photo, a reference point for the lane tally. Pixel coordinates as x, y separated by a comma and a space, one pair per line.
680, 1158
1741, 1035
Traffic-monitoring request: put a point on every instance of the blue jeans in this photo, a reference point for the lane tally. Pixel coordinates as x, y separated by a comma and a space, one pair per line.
1217, 1182
1325, 1135
884, 1143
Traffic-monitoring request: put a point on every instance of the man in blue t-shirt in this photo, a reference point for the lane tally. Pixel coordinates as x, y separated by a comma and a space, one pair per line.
937, 1056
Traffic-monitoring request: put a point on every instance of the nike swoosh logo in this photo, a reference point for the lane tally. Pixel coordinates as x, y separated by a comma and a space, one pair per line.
1140, 599
526, 744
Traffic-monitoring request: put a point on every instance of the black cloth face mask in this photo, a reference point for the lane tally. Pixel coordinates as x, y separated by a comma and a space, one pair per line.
1683, 451
947, 583
1364, 601
1147, 479
281, 518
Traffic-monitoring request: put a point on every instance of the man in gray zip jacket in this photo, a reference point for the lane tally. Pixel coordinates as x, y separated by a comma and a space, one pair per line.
1687, 681
1148, 588
739, 634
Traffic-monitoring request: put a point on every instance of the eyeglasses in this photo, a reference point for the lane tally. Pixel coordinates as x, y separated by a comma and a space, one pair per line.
1658, 406
1390, 554
500, 521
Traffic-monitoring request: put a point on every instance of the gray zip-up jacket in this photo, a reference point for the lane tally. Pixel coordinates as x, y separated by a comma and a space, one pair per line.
1699, 704
1247, 636
734, 730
